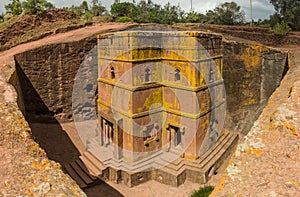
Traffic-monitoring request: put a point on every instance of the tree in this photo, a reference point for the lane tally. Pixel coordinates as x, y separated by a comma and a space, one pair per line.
15, 7
172, 14
36, 6
148, 12
84, 7
281, 29
1, 18
275, 19
96, 8
289, 11
194, 17
123, 9
228, 13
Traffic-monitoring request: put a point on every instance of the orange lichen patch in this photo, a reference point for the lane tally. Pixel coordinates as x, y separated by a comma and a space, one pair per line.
252, 56
219, 188
282, 120
43, 165
38, 176
253, 151
292, 129
257, 152
276, 132
190, 157
250, 102
292, 182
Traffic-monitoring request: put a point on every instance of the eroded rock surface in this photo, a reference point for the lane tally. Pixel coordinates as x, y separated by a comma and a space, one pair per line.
267, 163
25, 168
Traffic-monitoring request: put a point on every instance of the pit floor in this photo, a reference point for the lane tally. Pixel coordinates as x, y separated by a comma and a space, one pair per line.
58, 141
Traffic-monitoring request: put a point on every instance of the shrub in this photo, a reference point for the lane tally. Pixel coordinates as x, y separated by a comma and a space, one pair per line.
124, 19
87, 17
102, 19
281, 29
7, 16
203, 191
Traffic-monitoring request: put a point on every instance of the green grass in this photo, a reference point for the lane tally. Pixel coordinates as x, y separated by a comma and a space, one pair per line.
203, 191
9, 22
124, 19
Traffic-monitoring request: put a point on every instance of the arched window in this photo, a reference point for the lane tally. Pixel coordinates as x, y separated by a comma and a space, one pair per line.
177, 74
147, 75
112, 73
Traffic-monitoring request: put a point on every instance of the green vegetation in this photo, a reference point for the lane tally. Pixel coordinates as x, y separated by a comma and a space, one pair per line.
203, 191
124, 19
227, 14
286, 18
9, 22
287, 11
148, 12
123, 9
194, 17
281, 29
97, 9
36, 6
16, 7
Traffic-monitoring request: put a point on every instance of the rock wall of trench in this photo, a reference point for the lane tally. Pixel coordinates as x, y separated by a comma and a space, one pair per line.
251, 74
267, 162
25, 168
47, 74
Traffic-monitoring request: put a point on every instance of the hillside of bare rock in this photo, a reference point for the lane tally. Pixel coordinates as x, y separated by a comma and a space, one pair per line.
27, 28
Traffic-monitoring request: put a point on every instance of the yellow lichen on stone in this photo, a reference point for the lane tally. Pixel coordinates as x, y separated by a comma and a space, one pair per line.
154, 99
257, 152
219, 188
252, 56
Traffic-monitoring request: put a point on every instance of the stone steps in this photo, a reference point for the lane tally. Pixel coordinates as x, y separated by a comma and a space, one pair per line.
222, 149
211, 154
166, 162
80, 173
142, 164
94, 166
206, 162
210, 160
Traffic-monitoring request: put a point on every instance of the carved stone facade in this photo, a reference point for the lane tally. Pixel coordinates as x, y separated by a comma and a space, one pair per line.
161, 100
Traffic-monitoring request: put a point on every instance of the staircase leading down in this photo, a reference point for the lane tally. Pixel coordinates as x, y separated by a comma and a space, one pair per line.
78, 171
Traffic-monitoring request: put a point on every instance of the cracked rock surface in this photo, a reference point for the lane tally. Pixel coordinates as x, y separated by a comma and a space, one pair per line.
267, 162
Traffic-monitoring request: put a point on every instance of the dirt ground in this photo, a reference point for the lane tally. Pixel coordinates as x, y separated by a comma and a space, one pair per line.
57, 140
